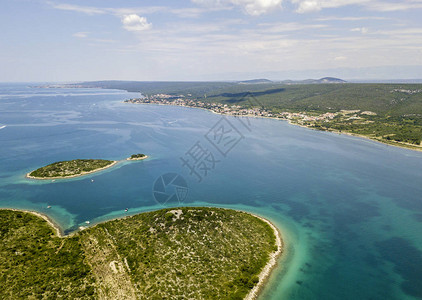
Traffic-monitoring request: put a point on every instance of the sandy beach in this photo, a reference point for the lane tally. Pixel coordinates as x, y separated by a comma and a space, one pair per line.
57, 228
72, 176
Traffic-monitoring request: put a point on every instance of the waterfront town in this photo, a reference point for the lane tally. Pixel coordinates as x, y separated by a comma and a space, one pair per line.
301, 118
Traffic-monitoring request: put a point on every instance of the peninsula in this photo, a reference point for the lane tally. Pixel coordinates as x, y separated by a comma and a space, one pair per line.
71, 168
189, 252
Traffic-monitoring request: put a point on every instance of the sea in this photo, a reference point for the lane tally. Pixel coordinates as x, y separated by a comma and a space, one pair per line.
349, 209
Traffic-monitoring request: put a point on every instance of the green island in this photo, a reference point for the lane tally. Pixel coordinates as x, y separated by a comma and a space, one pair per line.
71, 168
138, 156
195, 253
390, 113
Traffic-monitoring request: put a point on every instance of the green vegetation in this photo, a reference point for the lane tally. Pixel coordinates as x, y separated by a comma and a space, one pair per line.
137, 156
389, 129
36, 264
195, 253
398, 107
70, 168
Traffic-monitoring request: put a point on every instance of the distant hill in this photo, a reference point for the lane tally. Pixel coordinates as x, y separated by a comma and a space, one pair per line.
157, 87
195, 88
315, 81
330, 80
255, 81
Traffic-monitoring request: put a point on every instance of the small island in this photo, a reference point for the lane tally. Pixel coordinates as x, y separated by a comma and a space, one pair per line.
71, 168
139, 156
176, 253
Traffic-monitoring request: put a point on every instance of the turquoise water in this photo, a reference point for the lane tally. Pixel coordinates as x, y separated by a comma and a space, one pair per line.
350, 209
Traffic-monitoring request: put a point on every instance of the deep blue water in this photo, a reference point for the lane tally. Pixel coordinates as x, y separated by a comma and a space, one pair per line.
350, 209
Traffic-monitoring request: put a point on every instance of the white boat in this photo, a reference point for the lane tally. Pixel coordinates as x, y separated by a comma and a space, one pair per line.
87, 222
4, 126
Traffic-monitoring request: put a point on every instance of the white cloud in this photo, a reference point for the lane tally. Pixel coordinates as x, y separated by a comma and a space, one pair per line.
288, 27
309, 6
135, 23
351, 19
251, 7
80, 34
362, 30
306, 6
187, 12
389, 6
82, 9
258, 7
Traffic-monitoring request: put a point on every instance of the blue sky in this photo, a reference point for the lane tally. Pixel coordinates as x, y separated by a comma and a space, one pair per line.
209, 39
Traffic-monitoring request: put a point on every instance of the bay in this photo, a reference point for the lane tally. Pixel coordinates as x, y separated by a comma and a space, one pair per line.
350, 209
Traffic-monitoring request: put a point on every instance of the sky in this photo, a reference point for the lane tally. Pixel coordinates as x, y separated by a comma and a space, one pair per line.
150, 40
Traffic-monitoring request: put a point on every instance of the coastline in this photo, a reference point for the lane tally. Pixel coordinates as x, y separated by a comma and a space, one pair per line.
391, 143
71, 176
58, 230
271, 264
263, 276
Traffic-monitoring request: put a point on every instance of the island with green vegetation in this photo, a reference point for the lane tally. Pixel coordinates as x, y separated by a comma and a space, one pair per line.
189, 253
390, 113
139, 156
71, 168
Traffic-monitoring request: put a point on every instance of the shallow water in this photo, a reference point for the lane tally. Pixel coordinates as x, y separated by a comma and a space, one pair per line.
350, 209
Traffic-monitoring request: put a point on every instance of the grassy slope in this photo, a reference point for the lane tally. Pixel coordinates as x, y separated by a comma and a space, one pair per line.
35, 263
200, 253
70, 168
378, 98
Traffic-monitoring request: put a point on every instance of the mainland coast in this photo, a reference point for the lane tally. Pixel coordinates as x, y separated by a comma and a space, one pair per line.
292, 118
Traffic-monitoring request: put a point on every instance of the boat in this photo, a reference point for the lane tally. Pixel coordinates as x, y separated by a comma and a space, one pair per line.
49, 206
